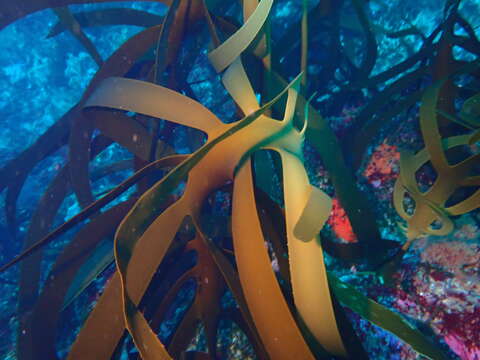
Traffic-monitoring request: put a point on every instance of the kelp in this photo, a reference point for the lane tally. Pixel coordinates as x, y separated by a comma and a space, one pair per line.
107, 17
40, 224
138, 101
13, 11
292, 313
70, 22
431, 214
383, 317
44, 317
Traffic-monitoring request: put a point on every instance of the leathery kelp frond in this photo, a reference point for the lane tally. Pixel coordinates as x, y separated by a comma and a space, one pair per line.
292, 313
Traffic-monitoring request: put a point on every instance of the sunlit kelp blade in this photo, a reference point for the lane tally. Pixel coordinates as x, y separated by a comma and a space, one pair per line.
363, 88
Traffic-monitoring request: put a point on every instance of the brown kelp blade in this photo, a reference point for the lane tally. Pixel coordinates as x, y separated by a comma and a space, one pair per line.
108, 17
97, 205
43, 322
71, 23
271, 314
12, 11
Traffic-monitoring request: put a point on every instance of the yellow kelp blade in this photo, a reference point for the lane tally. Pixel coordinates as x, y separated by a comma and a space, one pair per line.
307, 261
142, 231
311, 293
430, 204
227, 52
313, 216
106, 318
429, 127
153, 100
203, 165
271, 314
239, 87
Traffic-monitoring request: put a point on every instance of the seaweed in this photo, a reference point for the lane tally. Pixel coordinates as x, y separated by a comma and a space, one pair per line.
142, 88
431, 204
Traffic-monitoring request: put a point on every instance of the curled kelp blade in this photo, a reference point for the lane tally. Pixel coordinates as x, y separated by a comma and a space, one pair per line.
314, 215
139, 219
225, 54
311, 293
430, 204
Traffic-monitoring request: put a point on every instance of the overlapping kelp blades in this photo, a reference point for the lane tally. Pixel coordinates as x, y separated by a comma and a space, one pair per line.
270, 312
133, 123
430, 205
57, 194
305, 271
108, 17
372, 118
214, 178
17, 170
355, 203
40, 331
82, 127
41, 222
241, 316
121, 61
306, 210
132, 308
168, 161
325, 142
12, 11
211, 273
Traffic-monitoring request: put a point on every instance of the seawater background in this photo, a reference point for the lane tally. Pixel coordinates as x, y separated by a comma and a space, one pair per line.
40, 79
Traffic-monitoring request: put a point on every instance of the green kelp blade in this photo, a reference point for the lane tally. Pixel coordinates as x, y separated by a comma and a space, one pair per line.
384, 318
471, 106
93, 267
459, 120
